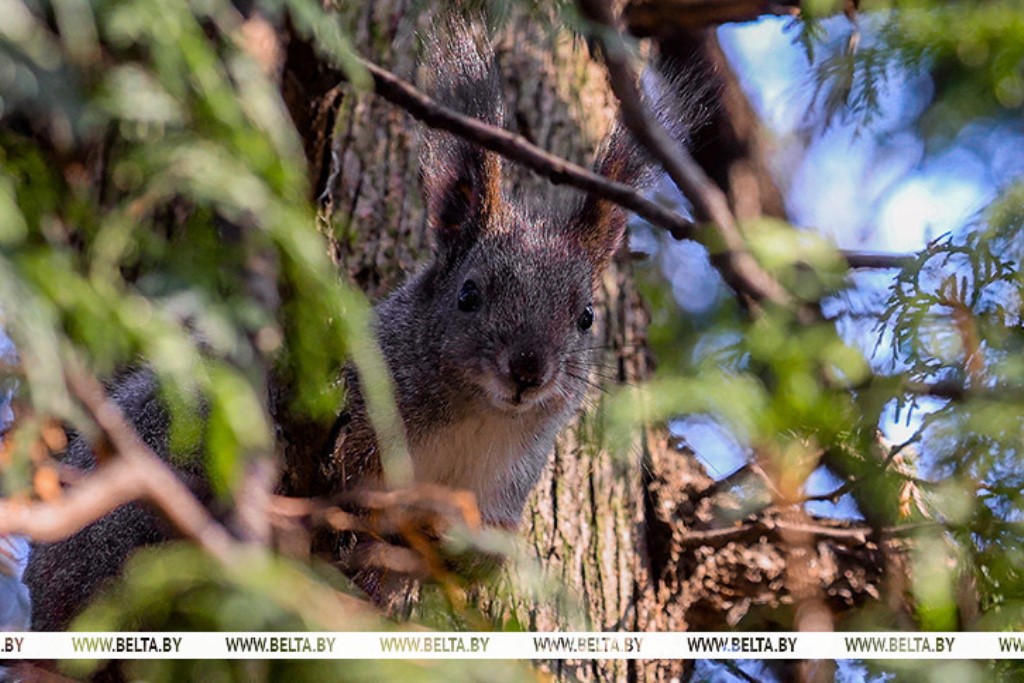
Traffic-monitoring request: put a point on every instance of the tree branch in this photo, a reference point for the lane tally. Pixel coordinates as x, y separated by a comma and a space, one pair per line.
716, 538
135, 474
736, 671
651, 17
556, 169
864, 259
739, 268
720, 537
518, 149
854, 481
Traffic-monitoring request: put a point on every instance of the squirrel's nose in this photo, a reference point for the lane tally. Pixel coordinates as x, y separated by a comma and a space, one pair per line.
526, 369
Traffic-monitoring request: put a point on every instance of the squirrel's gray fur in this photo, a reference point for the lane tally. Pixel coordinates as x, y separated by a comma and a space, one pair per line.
483, 386
63, 576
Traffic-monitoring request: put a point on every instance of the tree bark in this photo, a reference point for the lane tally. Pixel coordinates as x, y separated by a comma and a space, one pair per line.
613, 532
585, 519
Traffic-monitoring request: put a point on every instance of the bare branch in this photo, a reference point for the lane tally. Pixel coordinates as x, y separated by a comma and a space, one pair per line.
651, 17
768, 525
765, 525
736, 671
943, 389
864, 259
556, 169
835, 494
517, 148
739, 268
879, 469
135, 474
110, 487
160, 484
947, 390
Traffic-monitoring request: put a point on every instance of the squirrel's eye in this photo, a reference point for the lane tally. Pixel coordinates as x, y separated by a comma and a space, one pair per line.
469, 297
586, 319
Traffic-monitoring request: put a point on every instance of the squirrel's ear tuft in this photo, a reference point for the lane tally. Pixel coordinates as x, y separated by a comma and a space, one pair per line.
599, 225
678, 103
461, 181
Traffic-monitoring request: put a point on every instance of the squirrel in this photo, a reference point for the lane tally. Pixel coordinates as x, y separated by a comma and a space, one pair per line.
488, 344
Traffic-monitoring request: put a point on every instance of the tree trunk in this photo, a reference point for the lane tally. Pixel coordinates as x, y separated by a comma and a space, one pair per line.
611, 530
585, 519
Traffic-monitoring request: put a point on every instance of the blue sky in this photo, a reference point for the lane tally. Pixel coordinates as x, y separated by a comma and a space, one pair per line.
874, 187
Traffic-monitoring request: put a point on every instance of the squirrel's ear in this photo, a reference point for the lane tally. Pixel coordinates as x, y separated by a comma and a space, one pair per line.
461, 181
599, 225
679, 104
462, 190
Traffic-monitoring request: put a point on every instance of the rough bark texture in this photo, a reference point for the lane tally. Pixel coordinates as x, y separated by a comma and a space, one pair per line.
585, 521
618, 533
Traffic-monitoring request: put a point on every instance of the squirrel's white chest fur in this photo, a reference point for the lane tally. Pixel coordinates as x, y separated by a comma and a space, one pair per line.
497, 457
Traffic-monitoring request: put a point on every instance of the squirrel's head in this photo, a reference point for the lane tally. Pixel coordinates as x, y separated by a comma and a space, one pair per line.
510, 290
514, 308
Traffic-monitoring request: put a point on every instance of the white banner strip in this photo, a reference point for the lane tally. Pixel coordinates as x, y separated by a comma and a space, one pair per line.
547, 645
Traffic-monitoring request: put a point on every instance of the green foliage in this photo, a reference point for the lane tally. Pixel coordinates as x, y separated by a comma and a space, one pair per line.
796, 396
179, 588
955, 317
781, 388
975, 49
972, 50
154, 208
198, 253
191, 129
201, 235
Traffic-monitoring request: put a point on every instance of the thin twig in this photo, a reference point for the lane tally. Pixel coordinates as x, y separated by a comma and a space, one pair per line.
110, 487
160, 485
135, 474
556, 169
857, 534
853, 482
867, 259
835, 494
764, 526
517, 148
738, 266
736, 671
